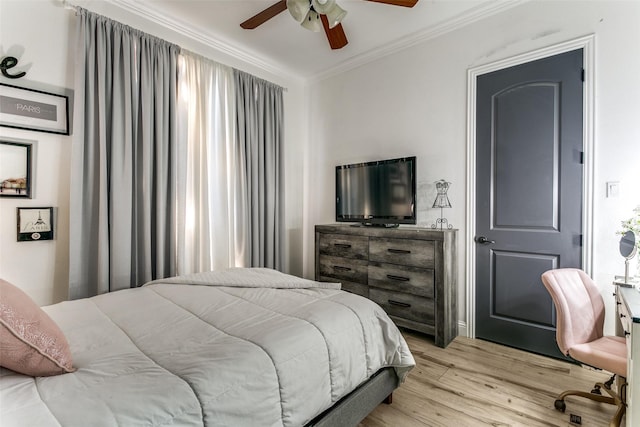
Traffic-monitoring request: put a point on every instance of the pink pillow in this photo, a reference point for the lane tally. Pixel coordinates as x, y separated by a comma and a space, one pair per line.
30, 341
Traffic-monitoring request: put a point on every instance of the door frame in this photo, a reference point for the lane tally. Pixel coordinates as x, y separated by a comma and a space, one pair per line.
587, 43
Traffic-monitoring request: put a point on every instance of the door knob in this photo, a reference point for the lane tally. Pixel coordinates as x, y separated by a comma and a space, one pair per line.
483, 240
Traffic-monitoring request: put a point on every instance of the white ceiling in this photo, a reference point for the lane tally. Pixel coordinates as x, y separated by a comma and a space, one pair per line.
280, 45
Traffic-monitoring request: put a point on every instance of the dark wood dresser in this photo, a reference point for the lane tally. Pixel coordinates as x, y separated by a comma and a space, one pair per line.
410, 272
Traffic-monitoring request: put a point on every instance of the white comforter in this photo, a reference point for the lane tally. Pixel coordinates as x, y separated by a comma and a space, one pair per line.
252, 348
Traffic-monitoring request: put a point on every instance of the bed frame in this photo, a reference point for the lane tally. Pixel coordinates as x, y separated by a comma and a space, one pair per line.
355, 406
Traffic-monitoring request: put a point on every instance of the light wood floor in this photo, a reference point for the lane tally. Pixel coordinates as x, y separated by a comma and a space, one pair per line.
478, 383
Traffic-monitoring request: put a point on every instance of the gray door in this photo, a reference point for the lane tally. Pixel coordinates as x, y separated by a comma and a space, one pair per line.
529, 145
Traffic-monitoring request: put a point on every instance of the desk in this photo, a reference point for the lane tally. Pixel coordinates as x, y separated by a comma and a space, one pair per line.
628, 313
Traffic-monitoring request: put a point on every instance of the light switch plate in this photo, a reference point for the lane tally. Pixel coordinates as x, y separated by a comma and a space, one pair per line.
613, 189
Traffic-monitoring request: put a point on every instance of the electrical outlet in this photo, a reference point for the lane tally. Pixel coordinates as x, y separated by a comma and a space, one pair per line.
575, 419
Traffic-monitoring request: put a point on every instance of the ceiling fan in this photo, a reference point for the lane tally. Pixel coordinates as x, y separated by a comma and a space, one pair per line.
315, 15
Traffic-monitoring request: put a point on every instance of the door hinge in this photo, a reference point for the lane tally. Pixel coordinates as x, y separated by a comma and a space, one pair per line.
582, 157
581, 236
582, 75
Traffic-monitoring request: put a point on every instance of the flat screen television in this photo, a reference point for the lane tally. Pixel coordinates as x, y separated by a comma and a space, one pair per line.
381, 193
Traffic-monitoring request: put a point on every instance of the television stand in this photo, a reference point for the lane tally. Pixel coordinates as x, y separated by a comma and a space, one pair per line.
411, 272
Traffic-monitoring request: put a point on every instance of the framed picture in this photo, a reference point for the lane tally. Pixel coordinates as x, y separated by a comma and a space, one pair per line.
30, 109
15, 169
35, 224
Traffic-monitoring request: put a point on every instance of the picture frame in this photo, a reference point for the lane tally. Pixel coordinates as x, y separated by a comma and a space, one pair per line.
15, 169
35, 224
30, 109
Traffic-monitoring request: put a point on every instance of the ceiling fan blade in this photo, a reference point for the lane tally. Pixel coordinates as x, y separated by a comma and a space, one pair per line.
405, 3
337, 38
265, 15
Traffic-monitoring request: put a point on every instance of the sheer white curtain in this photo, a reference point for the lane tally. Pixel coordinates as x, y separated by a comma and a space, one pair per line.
212, 215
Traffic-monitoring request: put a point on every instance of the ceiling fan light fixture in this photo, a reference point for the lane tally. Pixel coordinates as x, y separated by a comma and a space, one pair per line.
312, 22
335, 15
323, 6
299, 9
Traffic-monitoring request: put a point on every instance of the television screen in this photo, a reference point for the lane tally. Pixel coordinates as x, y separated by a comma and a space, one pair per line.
377, 193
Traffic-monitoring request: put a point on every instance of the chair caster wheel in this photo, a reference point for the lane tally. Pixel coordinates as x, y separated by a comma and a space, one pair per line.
596, 391
560, 405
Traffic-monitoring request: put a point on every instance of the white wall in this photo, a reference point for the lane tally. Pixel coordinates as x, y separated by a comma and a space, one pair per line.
41, 34
414, 102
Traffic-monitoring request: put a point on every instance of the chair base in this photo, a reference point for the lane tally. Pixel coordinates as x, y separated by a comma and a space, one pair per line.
618, 399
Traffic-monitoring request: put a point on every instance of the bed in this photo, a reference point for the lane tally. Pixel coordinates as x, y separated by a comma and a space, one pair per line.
238, 347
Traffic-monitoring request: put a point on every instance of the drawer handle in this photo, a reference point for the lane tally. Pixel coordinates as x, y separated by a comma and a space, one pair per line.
622, 315
626, 334
398, 278
398, 251
341, 268
342, 245
399, 304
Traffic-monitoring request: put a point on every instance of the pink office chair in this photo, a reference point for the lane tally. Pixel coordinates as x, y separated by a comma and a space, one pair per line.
579, 334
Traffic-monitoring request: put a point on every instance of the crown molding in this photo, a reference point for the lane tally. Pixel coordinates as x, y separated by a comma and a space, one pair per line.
472, 15
144, 10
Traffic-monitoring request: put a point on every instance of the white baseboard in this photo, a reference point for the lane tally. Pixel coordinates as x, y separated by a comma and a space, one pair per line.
462, 329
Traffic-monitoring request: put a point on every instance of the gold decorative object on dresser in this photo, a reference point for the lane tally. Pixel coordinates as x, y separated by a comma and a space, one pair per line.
410, 272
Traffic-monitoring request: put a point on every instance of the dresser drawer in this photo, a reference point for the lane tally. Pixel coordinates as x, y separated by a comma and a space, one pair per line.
418, 253
406, 306
411, 280
623, 314
342, 245
351, 270
356, 288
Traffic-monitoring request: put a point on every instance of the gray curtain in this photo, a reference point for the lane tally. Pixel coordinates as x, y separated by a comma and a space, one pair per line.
123, 191
260, 124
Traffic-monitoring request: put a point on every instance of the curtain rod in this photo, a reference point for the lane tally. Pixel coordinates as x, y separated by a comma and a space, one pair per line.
70, 6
